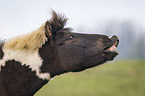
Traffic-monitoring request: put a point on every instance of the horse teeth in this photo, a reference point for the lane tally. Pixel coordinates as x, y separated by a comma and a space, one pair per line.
113, 48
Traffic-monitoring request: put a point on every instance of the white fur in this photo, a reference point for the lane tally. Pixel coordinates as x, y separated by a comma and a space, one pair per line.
29, 58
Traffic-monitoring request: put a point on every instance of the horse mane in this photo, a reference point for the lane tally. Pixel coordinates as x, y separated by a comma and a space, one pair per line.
34, 40
30, 41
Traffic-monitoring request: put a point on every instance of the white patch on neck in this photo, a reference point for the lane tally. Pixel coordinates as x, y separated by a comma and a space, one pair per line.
30, 58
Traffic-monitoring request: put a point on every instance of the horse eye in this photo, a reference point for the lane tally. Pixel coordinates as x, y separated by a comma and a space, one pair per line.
70, 37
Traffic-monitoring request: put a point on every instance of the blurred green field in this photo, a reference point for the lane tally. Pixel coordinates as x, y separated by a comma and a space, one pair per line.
119, 78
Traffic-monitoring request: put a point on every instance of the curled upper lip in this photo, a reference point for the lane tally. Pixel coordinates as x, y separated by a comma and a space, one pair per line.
114, 41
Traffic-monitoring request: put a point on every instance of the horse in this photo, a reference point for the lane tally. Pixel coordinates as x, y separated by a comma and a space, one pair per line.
29, 61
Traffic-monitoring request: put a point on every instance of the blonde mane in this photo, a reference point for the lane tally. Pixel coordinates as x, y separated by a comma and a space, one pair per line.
31, 41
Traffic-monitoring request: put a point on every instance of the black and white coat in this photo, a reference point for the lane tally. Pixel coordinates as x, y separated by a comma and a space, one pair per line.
27, 62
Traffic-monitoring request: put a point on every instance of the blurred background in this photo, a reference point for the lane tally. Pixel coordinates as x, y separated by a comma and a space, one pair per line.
125, 18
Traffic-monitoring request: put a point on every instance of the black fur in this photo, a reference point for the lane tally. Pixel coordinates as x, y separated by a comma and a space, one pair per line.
1, 52
18, 80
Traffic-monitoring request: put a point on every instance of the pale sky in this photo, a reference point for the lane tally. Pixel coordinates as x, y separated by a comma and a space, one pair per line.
23, 16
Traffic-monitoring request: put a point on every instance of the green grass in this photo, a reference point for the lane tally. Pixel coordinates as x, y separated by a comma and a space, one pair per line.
119, 78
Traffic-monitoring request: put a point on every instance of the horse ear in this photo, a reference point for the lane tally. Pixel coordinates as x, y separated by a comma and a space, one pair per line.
48, 29
56, 23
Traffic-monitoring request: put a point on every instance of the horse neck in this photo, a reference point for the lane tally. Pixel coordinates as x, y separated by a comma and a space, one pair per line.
18, 80
51, 61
